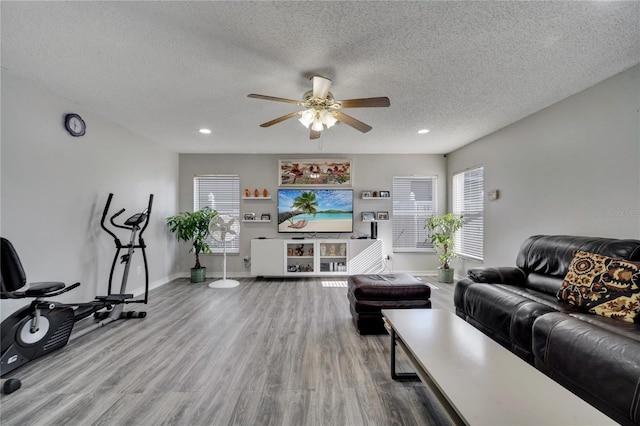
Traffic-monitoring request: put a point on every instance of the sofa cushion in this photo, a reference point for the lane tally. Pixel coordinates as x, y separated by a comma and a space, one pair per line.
603, 285
551, 254
599, 364
502, 314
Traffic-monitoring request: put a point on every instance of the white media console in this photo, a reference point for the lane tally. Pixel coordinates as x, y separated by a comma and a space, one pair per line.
315, 257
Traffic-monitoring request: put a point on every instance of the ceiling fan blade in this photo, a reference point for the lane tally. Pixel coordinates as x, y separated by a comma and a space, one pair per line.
280, 119
273, 98
321, 86
314, 134
365, 102
350, 121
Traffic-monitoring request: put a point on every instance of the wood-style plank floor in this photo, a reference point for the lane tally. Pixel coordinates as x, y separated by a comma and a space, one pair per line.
269, 352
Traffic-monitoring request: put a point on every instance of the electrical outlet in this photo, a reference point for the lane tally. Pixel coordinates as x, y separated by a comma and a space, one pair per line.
387, 257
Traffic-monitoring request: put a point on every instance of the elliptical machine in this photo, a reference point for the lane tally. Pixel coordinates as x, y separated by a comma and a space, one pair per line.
44, 326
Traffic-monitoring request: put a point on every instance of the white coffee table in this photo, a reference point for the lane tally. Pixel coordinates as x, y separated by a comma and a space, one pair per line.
478, 381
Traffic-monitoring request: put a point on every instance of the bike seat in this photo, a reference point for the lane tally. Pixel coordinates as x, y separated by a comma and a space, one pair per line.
42, 288
13, 281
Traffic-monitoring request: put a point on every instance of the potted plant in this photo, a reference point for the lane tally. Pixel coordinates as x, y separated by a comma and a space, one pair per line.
442, 229
194, 227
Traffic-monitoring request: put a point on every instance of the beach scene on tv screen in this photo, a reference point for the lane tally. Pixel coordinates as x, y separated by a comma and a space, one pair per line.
315, 210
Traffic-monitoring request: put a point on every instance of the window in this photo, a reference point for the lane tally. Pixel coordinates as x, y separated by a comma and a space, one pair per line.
222, 194
414, 200
468, 201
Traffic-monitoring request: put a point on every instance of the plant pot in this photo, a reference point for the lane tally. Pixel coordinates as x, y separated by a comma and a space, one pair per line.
198, 275
445, 275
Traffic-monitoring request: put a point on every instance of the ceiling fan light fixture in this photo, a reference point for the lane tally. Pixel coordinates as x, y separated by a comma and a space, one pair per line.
307, 117
317, 125
327, 118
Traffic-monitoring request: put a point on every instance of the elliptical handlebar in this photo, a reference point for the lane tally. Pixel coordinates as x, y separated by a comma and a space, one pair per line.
104, 216
147, 212
130, 223
115, 224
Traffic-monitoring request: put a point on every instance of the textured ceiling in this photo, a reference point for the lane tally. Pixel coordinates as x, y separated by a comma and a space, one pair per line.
461, 69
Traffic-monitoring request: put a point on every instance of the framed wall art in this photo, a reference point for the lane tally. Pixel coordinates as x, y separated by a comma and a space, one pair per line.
382, 215
327, 172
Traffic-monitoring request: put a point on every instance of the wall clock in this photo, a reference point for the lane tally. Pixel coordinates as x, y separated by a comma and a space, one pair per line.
74, 124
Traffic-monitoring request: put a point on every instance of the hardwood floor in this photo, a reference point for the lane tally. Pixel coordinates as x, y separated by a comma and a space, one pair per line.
269, 352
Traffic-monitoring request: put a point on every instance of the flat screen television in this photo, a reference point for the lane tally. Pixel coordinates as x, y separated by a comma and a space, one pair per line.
315, 210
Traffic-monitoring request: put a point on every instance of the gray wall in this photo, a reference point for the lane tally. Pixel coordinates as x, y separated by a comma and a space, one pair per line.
54, 186
572, 168
370, 172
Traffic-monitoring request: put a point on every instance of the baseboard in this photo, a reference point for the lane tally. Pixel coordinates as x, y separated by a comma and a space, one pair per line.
160, 283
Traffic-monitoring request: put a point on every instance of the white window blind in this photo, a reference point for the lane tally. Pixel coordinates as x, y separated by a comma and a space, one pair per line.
222, 194
468, 201
414, 200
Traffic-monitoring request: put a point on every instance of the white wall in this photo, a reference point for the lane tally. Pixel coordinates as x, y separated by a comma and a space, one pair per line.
370, 172
572, 168
54, 187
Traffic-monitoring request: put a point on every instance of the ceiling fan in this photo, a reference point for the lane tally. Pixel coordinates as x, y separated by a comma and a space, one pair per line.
321, 110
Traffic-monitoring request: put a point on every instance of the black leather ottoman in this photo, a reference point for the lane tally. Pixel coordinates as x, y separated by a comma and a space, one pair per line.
368, 294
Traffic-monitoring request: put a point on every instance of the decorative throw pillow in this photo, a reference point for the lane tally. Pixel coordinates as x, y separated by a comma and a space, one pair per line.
604, 286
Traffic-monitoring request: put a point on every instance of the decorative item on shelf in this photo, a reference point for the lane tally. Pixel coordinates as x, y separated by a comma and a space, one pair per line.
323, 250
310, 252
368, 216
246, 192
289, 251
375, 194
366, 194
343, 249
194, 227
442, 230
385, 194
332, 250
382, 216
265, 216
299, 250
265, 193
256, 193
249, 216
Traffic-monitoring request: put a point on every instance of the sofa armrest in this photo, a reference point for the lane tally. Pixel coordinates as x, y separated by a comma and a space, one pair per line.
498, 275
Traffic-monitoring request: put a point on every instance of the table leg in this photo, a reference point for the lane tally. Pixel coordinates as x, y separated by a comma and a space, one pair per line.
400, 377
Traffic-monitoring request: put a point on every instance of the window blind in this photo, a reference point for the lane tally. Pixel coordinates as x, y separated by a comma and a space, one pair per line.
222, 194
414, 200
468, 201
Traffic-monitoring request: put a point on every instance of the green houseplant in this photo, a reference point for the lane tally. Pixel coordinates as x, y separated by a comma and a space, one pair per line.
194, 227
442, 230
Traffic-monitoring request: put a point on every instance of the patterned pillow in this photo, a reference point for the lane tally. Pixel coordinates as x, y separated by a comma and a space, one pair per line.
604, 286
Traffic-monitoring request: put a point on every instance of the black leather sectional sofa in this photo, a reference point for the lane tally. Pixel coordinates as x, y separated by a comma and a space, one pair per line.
596, 357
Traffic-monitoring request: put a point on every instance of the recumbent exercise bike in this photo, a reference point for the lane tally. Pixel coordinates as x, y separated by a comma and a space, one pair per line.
44, 326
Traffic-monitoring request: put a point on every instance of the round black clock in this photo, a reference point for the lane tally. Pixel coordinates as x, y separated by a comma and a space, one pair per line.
74, 124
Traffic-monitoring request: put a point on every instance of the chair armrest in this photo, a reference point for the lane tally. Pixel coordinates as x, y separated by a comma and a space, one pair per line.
498, 275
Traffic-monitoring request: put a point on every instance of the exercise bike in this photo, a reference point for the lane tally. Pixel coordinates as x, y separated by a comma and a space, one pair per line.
44, 326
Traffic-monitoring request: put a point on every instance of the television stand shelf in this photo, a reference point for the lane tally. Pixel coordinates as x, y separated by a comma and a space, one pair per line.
315, 257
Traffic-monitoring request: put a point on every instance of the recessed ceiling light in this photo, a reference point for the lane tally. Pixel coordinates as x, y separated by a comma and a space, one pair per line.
423, 131
205, 131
